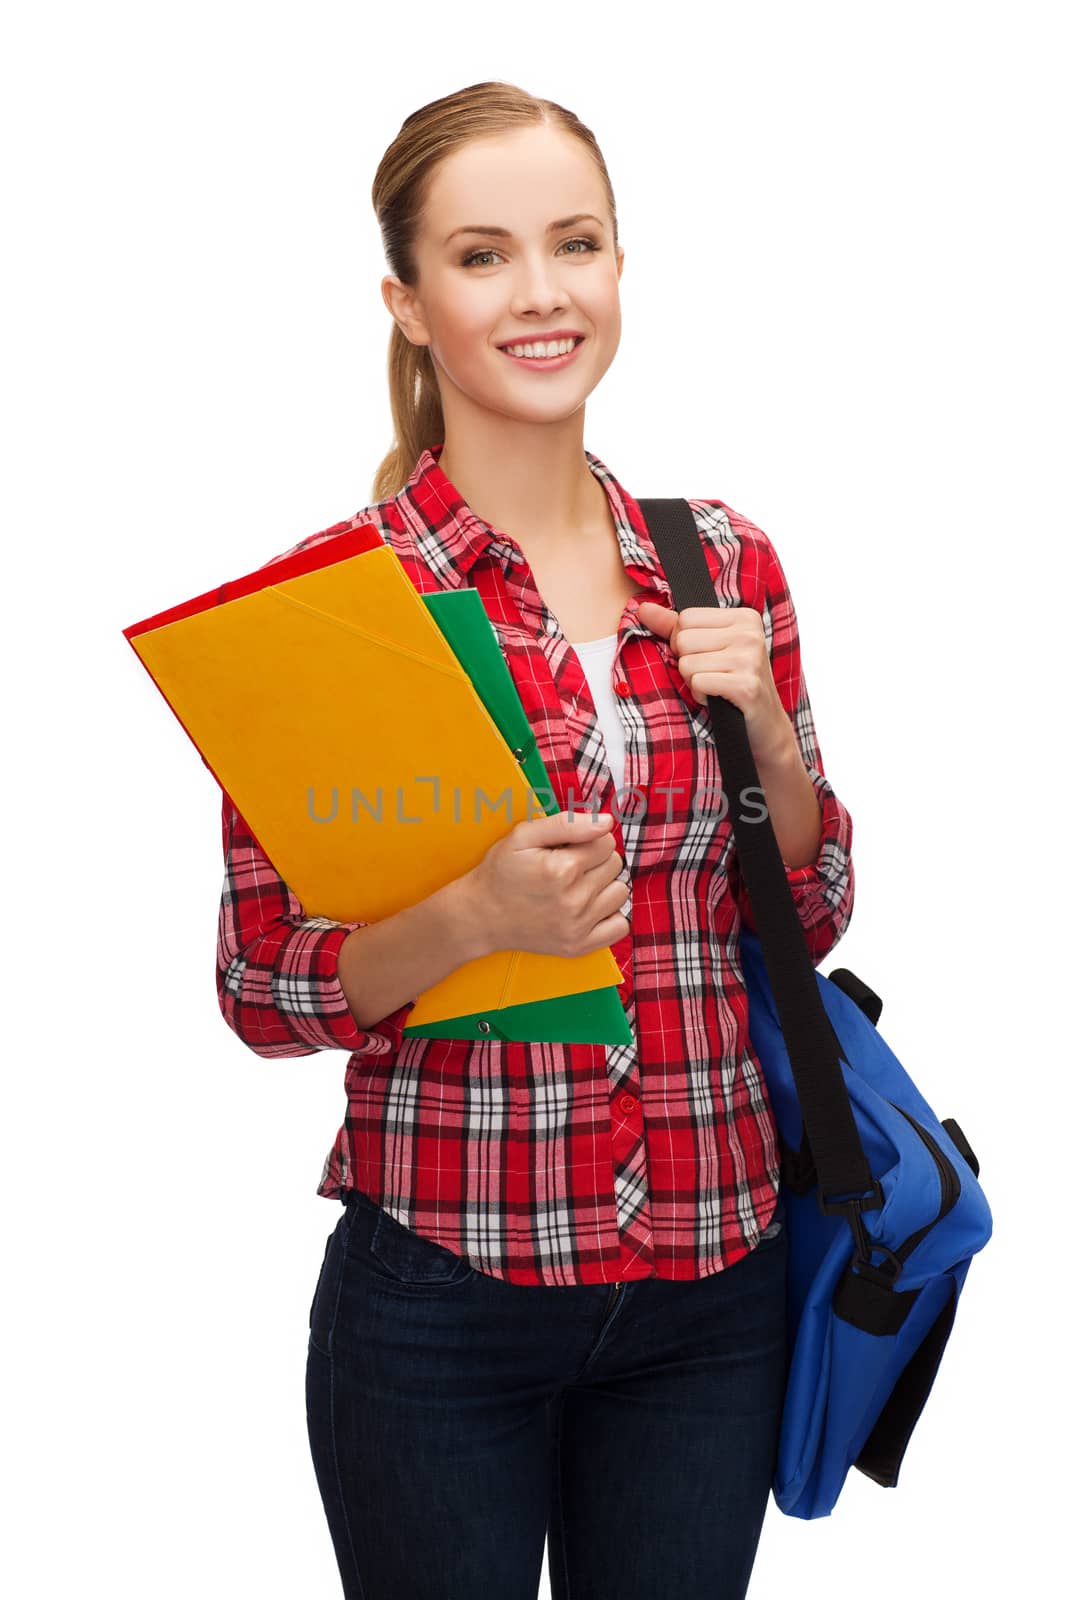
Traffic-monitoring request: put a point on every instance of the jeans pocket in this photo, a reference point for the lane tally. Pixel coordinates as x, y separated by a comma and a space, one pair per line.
776, 1227
409, 1260
323, 1311
318, 1280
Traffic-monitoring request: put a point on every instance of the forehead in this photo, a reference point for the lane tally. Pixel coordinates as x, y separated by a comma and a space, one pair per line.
521, 180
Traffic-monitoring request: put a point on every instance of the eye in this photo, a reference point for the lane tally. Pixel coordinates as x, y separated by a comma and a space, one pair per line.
474, 255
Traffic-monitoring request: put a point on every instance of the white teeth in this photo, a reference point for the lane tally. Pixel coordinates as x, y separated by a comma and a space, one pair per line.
554, 347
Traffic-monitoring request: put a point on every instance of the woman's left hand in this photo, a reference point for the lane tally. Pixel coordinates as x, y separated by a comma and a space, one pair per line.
722, 650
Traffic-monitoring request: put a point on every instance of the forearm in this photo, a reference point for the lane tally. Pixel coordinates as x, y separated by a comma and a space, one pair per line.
811, 825
818, 865
796, 814
387, 963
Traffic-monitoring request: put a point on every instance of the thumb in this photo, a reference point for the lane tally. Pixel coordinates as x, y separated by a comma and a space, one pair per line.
661, 619
561, 827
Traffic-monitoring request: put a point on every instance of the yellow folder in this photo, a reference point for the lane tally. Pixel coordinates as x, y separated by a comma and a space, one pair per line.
331, 709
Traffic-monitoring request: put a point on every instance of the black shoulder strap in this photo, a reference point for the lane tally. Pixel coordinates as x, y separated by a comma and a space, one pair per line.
815, 1052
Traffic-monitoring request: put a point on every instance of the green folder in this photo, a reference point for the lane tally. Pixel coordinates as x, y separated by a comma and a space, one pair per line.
596, 1016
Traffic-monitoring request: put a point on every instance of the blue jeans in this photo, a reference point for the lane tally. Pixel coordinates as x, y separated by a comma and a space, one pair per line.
456, 1420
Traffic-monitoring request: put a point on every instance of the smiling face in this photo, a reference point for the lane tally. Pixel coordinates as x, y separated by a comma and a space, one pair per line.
495, 266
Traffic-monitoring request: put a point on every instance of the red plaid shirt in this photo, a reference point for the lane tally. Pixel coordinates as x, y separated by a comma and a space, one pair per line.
566, 1163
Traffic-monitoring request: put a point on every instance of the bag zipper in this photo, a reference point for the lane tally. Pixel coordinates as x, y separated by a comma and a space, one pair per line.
950, 1178
950, 1184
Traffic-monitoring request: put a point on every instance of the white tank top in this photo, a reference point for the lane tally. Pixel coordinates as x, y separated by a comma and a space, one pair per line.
596, 656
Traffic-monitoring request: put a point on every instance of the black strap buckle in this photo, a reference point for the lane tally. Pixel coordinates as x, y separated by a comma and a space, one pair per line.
871, 1200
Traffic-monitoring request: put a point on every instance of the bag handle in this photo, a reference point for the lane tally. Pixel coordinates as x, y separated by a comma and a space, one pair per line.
843, 1175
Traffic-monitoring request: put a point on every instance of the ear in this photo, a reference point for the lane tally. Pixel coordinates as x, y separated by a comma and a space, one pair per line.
403, 306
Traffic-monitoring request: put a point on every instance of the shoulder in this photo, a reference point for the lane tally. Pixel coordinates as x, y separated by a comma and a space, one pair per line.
383, 515
743, 561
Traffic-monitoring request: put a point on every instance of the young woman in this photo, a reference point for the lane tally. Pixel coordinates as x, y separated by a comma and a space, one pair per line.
555, 1300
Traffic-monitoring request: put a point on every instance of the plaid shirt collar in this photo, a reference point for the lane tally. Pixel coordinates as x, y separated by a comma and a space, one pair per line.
430, 501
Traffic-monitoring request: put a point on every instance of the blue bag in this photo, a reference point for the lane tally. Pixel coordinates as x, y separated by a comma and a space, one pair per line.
884, 1212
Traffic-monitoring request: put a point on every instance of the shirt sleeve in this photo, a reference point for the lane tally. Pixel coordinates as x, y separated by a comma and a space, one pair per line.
824, 890
277, 979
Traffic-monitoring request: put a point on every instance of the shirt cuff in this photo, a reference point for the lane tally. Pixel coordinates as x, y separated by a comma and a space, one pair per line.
824, 889
307, 988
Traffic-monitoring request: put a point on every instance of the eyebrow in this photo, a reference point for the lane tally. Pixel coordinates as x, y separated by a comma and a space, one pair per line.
503, 233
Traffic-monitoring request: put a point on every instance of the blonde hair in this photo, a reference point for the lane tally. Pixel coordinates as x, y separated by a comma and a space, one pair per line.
426, 138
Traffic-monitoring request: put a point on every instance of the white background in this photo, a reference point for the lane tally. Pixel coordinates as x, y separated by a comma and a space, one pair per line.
842, 309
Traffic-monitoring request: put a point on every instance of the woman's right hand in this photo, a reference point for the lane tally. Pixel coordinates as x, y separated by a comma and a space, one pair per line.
552, 886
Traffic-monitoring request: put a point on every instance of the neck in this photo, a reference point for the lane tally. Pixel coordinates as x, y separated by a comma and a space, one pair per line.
542, 501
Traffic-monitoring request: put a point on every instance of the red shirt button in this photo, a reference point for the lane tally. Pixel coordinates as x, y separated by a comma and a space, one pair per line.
623, 689
626, 1102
